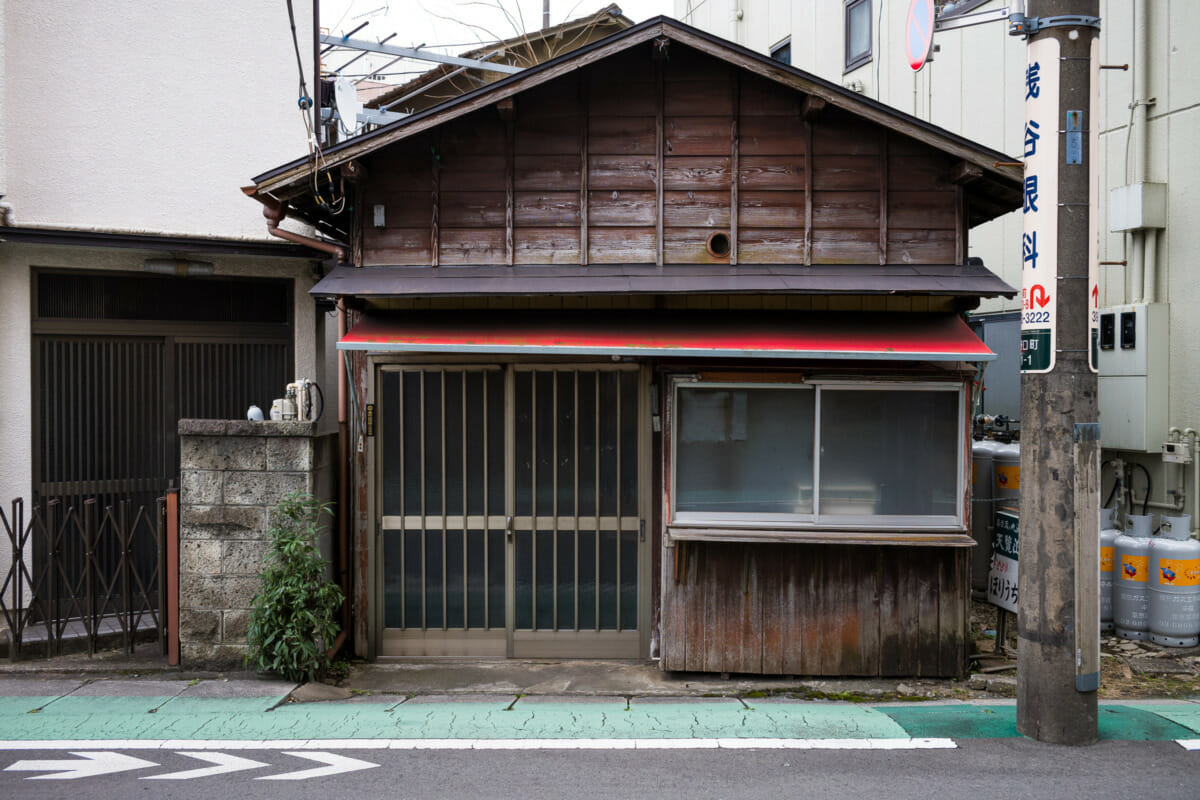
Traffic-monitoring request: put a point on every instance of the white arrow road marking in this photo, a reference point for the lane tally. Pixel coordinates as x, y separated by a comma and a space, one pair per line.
224, 763
337, 765
99, 763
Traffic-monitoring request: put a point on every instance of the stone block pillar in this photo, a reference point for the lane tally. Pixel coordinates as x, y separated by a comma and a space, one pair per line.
233, 473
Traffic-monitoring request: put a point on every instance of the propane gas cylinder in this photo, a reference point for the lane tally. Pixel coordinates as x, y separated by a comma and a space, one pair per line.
1108, 534
1175, 584
1131, 600
1007, 461
982, 508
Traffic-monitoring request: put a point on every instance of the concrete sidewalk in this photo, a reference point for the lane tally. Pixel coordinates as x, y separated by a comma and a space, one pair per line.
219, 711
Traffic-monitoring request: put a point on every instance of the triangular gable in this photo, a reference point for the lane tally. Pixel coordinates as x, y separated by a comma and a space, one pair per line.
997, 188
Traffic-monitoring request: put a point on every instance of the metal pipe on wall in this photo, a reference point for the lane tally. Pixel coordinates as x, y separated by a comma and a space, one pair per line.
343, 500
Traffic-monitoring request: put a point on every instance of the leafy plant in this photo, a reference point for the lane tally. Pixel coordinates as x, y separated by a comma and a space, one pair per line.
293, 616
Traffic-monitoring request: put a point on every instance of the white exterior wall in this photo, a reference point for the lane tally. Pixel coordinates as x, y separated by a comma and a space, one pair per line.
974, 87
148, 116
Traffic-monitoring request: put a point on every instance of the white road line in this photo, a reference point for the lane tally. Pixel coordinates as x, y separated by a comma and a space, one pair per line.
486, 744
93, 764
1189, 744
223, 761
335, 765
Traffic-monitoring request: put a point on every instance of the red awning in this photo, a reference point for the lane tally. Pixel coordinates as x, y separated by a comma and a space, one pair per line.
845, 335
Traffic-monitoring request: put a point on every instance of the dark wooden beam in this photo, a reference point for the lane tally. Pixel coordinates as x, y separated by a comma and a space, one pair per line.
811, 108
734, 168
506, 109
965, 172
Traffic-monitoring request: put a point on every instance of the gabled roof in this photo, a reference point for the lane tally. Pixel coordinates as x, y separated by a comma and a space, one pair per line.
998, 187
521, 51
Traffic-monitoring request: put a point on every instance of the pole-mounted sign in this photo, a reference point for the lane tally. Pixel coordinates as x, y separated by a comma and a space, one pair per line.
918, 33
1039, 210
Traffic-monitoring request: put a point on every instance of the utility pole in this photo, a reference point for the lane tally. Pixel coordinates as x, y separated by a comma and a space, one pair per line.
1058, 596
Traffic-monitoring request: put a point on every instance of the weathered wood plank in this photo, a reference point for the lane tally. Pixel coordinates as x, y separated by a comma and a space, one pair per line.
697, 584
769, 565
546, 245
471, 209
472, 173
696, 136
883, 196
471, 246
546, 209
547, 136
772, 172
771, 209
624, 135
846, 210
844, 137
907, 246
696, 209
478, 134
549, 173
584, 149
622, 91
698, 98
660, 153
845, 246
695, 173
770, 136
621, 245
934, 210
401, 209
916, 173
808, 193
622, 208
687, 246
734, 166
771, 245
398, 247
621, 172
761, 97
927, 644
846, 173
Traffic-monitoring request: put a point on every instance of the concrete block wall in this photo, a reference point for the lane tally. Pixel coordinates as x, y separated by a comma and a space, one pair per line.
232, 474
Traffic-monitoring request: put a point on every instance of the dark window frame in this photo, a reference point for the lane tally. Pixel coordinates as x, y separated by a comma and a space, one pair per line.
782, 48
856, 60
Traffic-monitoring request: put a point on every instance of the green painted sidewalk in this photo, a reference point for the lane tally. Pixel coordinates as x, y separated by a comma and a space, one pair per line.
46, 718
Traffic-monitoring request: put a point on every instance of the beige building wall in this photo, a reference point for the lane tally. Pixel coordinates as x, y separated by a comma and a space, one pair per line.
975, 87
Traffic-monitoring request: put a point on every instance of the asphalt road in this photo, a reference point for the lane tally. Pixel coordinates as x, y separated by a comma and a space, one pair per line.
1001, 768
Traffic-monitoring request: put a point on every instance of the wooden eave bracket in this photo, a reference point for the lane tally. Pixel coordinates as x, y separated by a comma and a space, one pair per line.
965, 172
812, 107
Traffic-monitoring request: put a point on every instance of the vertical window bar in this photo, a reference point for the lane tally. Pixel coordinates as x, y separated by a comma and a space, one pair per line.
554, 488
442, 396
617, 589
596, 536
421, 484
487, 510
398, 417
465, 527
816, 490
575, 496
533, 487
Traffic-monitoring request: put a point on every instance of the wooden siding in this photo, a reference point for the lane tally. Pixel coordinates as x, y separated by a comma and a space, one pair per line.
640, 160
815, 609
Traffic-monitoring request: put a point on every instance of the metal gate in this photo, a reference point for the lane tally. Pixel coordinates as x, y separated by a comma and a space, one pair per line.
511, 503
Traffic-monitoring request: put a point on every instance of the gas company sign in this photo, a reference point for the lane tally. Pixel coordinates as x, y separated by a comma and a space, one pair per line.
1039, 209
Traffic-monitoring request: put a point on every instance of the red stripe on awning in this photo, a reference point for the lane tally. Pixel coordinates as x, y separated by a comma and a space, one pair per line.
849, 335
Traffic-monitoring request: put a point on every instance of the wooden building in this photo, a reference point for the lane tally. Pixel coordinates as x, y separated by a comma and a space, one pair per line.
658, 350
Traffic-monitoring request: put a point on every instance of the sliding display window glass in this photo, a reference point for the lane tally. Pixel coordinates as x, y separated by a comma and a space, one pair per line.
833, 455
858, 33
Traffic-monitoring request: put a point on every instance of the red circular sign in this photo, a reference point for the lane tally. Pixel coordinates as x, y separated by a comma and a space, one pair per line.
918, 33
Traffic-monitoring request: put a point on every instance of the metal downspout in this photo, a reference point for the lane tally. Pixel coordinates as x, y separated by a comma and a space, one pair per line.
343, 476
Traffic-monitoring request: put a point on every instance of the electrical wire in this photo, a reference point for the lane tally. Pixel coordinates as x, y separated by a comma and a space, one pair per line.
1146, 501
304, 96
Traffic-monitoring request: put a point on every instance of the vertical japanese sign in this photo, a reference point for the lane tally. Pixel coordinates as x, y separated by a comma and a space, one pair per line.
1094, 217
1039, 237
1002, 577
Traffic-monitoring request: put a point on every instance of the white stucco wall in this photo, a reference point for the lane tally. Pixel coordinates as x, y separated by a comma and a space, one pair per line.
147, 116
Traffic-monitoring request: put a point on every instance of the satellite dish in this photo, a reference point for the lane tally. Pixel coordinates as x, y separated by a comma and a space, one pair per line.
345, 100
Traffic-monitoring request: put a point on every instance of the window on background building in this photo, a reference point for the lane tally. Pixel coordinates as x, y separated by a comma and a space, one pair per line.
818, 455
858, 33
783, 51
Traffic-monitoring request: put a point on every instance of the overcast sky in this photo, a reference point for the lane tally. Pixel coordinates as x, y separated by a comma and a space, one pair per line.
458, 25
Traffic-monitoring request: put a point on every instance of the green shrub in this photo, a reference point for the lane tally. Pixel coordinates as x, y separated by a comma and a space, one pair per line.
293, 616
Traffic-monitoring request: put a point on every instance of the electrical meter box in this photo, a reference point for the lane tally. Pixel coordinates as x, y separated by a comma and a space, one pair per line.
1132, 386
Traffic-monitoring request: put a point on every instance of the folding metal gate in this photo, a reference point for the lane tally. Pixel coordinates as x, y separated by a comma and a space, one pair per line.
511, 510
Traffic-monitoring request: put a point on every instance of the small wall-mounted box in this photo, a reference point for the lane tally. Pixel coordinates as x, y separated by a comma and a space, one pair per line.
1132, 385
1137, 206
1177, 452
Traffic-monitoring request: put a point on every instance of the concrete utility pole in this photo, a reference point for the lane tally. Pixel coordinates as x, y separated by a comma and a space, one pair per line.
1058, 602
